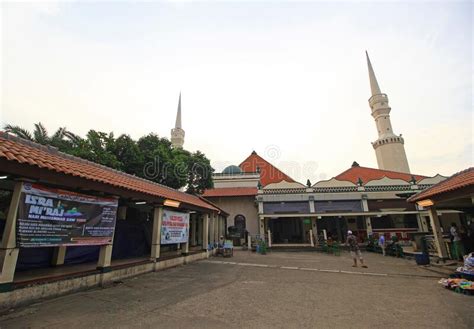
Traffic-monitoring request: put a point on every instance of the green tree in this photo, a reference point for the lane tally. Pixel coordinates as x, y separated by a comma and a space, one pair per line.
129, 155
150, 157
98, 148
199, 173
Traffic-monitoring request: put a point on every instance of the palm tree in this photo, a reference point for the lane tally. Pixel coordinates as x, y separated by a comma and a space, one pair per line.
20, 132
40, 135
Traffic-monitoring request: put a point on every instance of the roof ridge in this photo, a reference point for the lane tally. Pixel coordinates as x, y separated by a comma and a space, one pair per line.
237, 187
257, 155
55, 150
392, 171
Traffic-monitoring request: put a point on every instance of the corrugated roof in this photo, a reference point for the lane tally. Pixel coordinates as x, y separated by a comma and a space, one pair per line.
459, 180
25, 152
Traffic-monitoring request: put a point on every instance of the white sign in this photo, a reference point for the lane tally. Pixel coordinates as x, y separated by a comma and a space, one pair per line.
174, 227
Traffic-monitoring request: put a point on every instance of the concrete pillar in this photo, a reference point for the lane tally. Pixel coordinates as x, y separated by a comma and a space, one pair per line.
205, 232
368, 226
105, 258
185, 246
249, 242
261, 225
8, 248
260, 205
368, 223
314, 229
156, 235
211, 229
199, 224
218, 227
312, 209
215, 239
311, 238
221, 227
194, 230
59, 255
439, 241
269, 239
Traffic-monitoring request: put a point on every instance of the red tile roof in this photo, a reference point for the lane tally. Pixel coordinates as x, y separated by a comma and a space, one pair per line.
268, 172
230, 191
367, 174
459, 180
24, 152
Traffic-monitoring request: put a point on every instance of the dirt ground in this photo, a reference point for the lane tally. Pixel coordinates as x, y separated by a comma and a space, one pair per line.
277, 290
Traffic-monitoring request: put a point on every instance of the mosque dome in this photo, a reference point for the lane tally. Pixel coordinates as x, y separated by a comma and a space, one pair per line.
230, 170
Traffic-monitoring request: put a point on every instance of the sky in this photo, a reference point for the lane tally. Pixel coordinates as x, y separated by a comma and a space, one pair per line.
286, 79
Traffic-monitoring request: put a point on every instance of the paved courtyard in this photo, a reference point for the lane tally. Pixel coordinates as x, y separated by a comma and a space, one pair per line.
278, 290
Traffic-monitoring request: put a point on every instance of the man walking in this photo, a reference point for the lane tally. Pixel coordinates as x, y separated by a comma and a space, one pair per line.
354, 249
382, 243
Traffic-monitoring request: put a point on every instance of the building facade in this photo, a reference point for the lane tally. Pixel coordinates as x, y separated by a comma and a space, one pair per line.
290, 214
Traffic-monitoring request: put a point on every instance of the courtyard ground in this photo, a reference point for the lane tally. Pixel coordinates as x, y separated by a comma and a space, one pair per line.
277, 290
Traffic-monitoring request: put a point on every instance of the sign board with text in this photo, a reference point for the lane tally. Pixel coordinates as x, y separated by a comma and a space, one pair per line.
50, 217
174, 227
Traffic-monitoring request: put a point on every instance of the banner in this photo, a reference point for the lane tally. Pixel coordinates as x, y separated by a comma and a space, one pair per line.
50, 217
174, 227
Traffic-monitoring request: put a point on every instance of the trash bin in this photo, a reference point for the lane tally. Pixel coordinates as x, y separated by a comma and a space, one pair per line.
424, 257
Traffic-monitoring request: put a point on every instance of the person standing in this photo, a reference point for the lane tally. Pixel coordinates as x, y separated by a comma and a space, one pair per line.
382, 243
354, 249
457, 248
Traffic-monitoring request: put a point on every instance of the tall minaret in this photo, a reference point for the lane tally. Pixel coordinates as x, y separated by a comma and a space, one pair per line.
388, 147
177, 133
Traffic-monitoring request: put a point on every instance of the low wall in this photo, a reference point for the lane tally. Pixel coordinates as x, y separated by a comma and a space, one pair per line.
32, 293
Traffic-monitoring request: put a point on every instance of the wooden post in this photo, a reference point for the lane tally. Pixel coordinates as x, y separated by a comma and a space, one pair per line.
8, 247
422, 224
156, 235
438, 236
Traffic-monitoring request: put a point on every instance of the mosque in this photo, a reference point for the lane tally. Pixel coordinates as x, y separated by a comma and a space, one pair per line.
264, 201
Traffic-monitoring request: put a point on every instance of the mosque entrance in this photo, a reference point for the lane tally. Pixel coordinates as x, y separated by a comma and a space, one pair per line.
336, 227
287, 230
